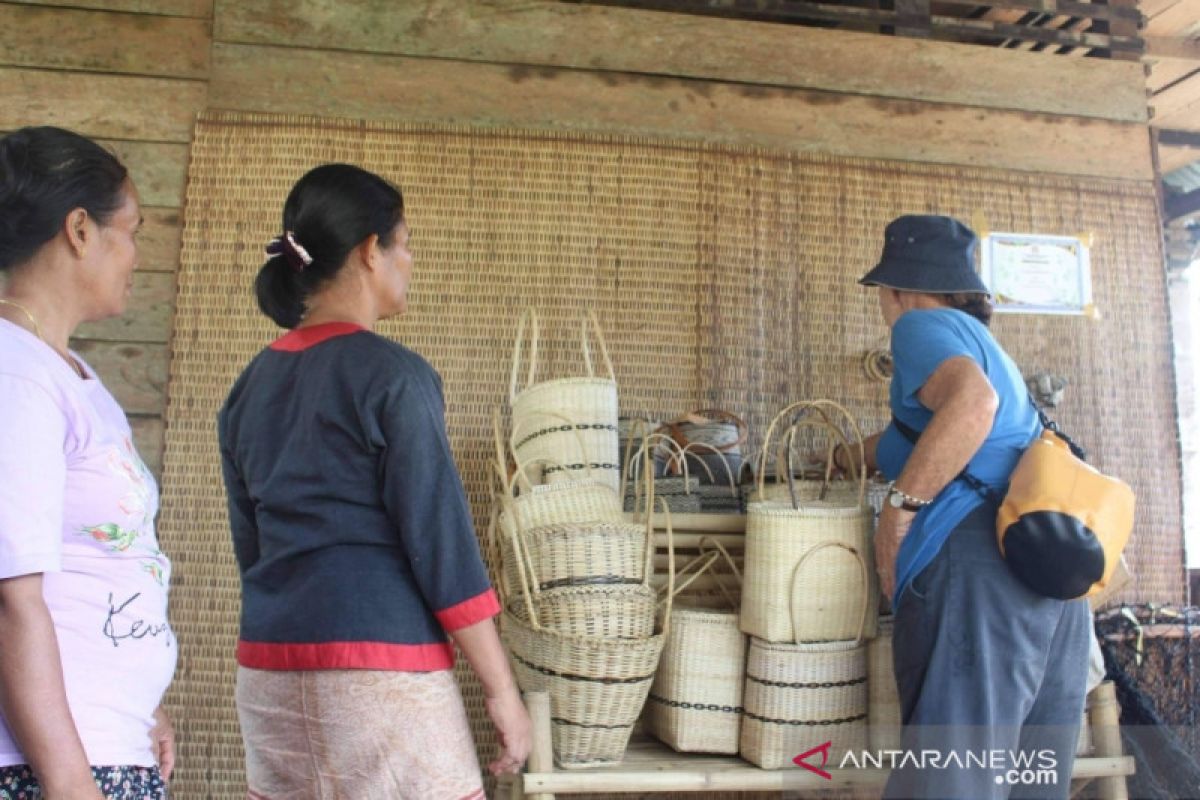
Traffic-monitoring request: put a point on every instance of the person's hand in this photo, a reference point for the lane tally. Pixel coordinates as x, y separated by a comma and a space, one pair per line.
893, 527
514, 729
162, 743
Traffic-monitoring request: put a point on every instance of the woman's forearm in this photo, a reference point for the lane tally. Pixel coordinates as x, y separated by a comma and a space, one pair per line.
480, 643
32, 693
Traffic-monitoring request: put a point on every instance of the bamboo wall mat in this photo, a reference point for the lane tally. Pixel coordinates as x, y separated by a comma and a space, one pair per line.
723, 277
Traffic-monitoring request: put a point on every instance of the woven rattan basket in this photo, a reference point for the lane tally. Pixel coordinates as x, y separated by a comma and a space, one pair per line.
883, 699
597, 685
590, 403
695, 702
798, 695
779, 535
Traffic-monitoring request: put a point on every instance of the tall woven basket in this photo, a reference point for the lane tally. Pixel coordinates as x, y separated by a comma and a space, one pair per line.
695, 703
597, 685
883, 698
800, 695
588, 403
780, 534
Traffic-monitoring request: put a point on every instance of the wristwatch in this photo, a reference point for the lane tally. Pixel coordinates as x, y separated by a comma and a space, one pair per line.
898, 499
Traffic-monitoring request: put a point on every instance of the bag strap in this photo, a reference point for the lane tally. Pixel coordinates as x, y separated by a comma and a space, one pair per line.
984, 491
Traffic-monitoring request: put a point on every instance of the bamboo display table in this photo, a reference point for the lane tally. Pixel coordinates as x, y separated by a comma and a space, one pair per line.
651, 766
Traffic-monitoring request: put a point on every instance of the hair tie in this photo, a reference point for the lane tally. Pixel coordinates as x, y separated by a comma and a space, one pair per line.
287, 245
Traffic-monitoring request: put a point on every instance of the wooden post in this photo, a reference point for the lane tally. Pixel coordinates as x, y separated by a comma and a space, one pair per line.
541, 757
1105, 716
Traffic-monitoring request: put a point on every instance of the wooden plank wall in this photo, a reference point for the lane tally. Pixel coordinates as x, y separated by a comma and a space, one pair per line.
132, 74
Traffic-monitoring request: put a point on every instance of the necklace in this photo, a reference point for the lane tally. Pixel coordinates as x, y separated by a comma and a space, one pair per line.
37, 331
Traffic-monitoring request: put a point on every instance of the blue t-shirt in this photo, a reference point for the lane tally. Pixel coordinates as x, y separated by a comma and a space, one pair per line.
921, 341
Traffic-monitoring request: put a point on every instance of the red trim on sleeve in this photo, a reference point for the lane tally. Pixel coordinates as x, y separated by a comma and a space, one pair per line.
484, 605
304, 338
346, 655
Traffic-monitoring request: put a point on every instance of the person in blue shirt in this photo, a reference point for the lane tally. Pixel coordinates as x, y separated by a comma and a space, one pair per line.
991, 675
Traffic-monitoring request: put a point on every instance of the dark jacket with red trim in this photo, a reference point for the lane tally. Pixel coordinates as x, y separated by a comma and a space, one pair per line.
350, 525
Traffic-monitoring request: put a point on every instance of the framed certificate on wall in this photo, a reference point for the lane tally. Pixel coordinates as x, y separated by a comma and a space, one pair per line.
1035, 274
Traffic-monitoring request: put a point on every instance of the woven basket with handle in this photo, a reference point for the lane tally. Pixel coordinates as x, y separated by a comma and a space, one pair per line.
779, 534
695, 703
588, 402
799, 695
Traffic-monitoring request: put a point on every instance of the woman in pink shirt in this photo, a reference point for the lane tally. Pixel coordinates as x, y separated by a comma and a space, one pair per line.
86, 650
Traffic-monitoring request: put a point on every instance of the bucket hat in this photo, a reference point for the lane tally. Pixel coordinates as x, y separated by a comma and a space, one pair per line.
927, 253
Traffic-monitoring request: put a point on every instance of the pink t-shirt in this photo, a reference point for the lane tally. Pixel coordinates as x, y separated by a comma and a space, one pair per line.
78, 505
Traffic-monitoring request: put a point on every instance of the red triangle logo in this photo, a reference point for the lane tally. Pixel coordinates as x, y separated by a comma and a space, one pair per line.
823, 749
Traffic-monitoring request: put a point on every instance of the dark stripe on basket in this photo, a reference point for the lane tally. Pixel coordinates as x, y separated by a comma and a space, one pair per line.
559, 721
593, 580
822, 685
810, 722
596, 426
574, 467
584, 678
696, 706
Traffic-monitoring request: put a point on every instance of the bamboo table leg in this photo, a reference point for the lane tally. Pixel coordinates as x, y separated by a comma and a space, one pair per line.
541, 757
1106, 734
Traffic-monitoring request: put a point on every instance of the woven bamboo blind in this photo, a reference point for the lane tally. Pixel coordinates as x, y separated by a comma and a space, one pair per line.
723, 276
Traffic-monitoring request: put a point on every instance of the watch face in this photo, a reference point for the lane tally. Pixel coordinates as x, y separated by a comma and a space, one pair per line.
895, 500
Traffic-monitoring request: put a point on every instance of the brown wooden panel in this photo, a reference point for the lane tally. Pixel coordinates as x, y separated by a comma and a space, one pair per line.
159, 243
159, 169
112, 106
136, 374
285, 80
201, 9
682, 45
148, 439
147, 319
101, 41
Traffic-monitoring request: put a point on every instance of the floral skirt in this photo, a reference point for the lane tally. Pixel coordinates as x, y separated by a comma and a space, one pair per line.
356, 734
117, 783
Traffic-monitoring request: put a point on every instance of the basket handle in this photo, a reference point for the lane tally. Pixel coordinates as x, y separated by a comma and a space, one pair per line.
666, 510
519, 554
590, 316
638, 429
862, 565
704, 561
788, 445
678, 457
705, 542
709, 415
724, 461
820, 406
529, 314
535, 333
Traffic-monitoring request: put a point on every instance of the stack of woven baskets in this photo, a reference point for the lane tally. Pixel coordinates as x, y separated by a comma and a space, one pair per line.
810, 602
579, 611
